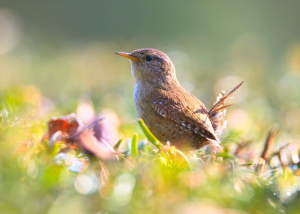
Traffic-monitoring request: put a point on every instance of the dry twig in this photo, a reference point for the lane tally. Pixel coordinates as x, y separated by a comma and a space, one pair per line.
269, 142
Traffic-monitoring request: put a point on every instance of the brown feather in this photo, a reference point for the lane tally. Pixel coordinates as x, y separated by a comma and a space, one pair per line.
218, 111
183, 115
225, 98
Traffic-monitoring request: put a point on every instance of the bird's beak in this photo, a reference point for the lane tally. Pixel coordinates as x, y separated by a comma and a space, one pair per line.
127, 55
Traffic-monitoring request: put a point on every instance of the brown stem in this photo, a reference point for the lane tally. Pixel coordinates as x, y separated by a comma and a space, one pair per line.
269, 142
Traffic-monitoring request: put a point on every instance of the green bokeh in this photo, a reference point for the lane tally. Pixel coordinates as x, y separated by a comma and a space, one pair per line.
57, 54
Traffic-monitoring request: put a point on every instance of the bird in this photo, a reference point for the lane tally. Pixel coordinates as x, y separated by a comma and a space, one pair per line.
172, 113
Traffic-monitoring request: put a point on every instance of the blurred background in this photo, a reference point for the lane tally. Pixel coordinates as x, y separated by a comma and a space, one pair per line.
58, 57
65, 50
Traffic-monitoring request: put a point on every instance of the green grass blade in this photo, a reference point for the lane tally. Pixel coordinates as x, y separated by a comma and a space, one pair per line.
116, 147
184, 156
149, 135
247, 164
134, 146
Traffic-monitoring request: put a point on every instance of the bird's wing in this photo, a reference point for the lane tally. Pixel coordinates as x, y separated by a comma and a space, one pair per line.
185, 110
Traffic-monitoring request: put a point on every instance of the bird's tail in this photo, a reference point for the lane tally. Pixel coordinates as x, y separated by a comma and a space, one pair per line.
218, 111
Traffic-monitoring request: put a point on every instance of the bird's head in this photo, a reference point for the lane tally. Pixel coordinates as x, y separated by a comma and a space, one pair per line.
151, 65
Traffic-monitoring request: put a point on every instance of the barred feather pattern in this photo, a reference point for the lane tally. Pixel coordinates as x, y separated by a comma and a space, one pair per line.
217, 114
218, 118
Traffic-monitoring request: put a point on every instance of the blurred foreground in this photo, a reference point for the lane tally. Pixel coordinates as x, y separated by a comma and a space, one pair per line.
52, 176
58, 58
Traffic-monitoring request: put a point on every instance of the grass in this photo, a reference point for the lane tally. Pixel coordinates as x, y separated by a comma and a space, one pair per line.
146, 177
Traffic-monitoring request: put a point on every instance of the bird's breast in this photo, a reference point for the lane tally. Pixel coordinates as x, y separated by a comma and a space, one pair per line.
139, 98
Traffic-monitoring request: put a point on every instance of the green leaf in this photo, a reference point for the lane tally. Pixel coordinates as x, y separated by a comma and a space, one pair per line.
225, 155
116, 147
56, 148
247, 164
134, 146
149, 135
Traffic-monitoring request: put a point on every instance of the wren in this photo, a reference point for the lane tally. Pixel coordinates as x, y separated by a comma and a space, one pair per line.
172, 113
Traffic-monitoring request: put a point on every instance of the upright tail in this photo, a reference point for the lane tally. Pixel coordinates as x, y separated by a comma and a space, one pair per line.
218, 111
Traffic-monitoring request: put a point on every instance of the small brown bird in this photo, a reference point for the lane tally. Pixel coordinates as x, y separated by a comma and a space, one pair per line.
172, 113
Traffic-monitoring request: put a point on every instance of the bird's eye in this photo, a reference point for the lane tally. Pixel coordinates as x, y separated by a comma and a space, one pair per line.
148, 58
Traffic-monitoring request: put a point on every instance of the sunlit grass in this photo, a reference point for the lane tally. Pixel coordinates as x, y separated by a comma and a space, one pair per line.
145, 178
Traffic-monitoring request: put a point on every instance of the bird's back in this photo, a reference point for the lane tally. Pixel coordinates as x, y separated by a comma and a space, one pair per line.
175, 115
